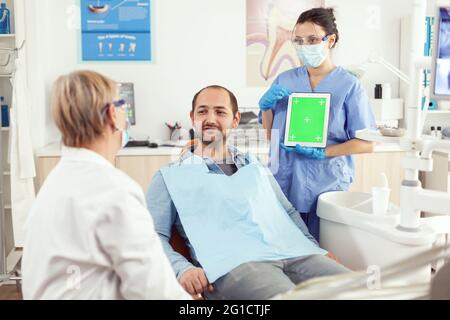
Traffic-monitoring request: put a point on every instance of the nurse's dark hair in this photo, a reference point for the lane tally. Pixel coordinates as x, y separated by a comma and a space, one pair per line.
233, 100
323, 17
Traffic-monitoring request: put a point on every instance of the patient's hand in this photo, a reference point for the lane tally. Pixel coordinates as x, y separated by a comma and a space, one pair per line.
194, 281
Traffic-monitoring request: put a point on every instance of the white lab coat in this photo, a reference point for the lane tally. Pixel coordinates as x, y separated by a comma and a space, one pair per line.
89, 235
21, 156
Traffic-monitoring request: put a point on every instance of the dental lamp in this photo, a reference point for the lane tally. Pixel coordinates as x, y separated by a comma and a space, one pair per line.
360, 70
379, 60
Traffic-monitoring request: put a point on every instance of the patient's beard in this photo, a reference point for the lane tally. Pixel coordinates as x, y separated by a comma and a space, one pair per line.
214, 143
214, 140
215, 147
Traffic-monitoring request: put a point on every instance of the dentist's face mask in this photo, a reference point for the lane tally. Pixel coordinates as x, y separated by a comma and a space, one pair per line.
313, 51
121, 104
125, 136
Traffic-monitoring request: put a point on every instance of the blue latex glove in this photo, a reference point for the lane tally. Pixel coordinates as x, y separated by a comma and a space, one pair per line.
272, 96
313, 153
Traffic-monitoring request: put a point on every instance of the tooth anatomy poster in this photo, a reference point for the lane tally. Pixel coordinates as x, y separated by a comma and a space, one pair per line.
116, 30
269, 28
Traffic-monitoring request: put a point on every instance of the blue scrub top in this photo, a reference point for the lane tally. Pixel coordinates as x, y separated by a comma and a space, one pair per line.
302, 179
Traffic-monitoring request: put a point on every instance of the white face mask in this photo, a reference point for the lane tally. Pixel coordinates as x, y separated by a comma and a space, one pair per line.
125, 135
313, 55
125, 138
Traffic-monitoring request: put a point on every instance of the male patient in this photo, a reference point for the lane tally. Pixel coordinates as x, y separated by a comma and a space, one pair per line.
245, 238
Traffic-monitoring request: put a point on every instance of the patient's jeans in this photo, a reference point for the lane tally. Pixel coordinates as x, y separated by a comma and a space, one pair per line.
264, 280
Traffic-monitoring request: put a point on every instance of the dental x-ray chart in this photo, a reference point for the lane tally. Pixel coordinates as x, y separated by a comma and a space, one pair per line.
116, 30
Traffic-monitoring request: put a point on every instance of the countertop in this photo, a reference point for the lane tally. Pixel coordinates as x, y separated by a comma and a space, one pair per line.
54, 150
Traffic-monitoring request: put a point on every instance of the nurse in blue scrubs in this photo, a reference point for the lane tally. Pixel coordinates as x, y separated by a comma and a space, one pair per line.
305, 173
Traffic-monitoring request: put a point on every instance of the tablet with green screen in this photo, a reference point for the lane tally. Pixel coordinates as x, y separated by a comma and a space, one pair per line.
307, 120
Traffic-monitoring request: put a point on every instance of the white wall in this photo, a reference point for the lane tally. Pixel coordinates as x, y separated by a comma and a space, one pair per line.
197, 43
371, 28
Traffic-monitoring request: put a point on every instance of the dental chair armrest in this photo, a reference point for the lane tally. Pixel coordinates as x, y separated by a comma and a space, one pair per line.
179, 245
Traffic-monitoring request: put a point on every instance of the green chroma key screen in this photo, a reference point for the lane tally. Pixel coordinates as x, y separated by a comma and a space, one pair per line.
308, 119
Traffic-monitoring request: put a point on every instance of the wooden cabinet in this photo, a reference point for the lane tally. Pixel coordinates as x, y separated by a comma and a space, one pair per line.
139, 168
368, 170
439, 179
142, 168
44, 166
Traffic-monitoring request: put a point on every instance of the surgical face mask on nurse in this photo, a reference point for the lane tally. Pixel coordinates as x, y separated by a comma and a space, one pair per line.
312, 56
213, 116
312, 44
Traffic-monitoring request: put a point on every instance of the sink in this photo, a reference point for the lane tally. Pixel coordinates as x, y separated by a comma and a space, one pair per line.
362, 240
355, 206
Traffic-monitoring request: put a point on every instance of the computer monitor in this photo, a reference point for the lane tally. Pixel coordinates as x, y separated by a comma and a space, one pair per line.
441, 55
126, 92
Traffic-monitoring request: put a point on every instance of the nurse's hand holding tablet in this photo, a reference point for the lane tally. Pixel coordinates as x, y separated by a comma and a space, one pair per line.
271, 97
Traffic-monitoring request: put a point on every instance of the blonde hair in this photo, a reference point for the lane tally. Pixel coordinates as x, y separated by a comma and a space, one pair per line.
78, 100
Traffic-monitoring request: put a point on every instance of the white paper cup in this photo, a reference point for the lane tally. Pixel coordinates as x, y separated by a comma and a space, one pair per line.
387, 91
380, 200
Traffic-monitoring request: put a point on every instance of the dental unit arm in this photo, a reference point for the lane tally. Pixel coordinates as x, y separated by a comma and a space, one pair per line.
413, 198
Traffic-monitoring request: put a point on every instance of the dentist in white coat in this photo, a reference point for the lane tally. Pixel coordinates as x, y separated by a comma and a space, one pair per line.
89, 234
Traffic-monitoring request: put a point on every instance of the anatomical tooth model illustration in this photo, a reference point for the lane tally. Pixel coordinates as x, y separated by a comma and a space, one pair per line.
270, 24
279, 35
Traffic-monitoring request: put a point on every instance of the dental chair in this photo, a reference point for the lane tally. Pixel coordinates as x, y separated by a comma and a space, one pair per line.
178, 244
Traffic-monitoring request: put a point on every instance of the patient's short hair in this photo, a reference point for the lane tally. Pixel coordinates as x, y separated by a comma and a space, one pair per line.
79, 100
233, 100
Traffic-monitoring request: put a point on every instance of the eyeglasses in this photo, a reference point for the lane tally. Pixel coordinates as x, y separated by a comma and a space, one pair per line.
118, 104
311, 40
